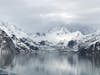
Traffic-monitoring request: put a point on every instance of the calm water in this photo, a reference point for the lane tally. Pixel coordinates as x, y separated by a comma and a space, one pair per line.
54, 63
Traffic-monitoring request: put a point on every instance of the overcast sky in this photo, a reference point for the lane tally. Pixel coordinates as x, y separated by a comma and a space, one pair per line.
37, 15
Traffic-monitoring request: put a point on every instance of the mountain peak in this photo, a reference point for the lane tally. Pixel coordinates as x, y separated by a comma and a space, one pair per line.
61, 29
11, 29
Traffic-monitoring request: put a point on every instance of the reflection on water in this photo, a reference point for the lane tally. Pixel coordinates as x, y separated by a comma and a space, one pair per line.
54, 63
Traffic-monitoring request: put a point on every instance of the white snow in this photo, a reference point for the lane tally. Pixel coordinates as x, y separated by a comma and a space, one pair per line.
59, 35
55, 36
11, 29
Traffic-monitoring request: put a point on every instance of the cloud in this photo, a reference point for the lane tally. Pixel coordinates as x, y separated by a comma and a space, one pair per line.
36, 15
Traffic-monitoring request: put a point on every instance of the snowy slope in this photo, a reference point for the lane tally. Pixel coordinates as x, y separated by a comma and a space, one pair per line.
58, 37
21, 40
11, 29
90, 39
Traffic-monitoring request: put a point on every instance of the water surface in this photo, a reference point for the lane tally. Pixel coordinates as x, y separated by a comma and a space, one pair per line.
54, 63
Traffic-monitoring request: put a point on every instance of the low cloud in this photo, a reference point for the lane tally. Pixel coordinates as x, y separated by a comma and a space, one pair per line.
36, 15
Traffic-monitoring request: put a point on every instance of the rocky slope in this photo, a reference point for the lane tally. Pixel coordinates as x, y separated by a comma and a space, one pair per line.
7, 49
20, 39
90, 44
57, 38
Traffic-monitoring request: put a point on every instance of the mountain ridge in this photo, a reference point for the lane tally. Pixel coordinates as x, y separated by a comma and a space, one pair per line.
58, 37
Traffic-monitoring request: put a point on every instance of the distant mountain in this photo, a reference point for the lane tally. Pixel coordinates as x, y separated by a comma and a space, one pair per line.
57, 38
59, 29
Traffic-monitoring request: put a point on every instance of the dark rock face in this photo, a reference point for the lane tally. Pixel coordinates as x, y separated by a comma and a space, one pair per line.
42, 43
93, 49
27, 43
71, 43
7, 49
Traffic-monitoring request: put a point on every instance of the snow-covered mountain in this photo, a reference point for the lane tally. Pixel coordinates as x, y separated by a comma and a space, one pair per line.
21, 40
56, 38
90, 44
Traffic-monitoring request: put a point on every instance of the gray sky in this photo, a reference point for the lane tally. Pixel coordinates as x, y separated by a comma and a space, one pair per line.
38, 15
